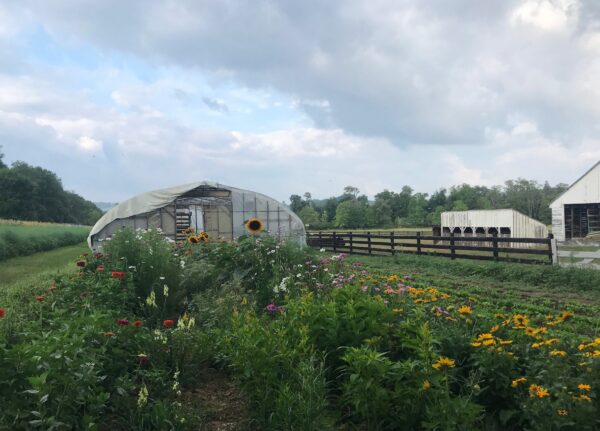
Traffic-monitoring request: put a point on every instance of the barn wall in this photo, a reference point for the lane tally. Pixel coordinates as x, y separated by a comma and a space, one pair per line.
526, 227
558, 222
477, 218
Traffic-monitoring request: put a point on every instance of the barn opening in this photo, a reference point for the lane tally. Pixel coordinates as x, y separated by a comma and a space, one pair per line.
456, 231
505, 232
468, 232
479, 231
492, 231
581, 220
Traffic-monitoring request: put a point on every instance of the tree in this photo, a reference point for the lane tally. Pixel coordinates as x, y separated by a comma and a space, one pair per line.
296, 203
350, 214
351, 191
459, 206
309, 216
2, 165
417, 210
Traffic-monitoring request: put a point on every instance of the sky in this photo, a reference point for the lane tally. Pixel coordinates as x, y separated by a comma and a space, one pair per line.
284, 97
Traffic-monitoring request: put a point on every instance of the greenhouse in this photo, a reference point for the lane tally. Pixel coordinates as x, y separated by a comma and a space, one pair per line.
224, 213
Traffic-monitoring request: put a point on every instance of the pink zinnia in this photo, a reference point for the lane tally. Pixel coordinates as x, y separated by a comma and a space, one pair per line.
100, 268
118, 274
122, 322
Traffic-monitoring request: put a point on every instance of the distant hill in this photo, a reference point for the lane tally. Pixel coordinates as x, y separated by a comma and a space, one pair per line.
36, 194
105, 206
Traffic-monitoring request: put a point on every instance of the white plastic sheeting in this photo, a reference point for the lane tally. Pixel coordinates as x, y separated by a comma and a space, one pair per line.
157, 209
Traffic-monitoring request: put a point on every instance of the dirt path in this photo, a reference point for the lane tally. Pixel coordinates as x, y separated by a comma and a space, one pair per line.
220, 400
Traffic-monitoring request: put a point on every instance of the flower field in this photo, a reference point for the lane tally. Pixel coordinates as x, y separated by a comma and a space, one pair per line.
314, 341
18, 238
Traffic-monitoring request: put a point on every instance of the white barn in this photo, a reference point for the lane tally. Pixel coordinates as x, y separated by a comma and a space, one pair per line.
507, 223
576, 212
217, 209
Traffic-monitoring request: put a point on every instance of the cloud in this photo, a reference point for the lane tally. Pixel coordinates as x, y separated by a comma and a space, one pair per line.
414, 72
215, 105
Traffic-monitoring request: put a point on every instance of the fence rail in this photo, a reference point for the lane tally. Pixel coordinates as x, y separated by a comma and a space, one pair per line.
495, 248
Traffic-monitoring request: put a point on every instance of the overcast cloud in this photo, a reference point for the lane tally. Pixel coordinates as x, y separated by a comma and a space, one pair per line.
286, 97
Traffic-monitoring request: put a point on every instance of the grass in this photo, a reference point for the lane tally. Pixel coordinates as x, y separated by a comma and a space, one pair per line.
25, 238
39, 266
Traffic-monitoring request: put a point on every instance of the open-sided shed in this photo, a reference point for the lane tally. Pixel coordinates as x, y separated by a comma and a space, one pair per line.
219, 210
508, 223
576, 212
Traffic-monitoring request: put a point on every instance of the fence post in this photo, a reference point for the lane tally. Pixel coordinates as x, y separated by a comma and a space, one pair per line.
351, 243
452, 250
419, 242
369, 242
392, 243
495, 246
334, 241
320, 239
553, 249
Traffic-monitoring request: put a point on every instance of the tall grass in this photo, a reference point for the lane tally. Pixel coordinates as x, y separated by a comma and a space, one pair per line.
25, 238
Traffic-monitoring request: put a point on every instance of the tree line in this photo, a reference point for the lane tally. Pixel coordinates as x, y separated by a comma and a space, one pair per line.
33, 193
408, 208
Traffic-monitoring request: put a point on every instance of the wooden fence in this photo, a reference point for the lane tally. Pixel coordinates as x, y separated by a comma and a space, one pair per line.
495, 248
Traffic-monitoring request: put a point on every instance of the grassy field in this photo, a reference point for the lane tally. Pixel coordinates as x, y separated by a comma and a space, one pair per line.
39, 266
18, 238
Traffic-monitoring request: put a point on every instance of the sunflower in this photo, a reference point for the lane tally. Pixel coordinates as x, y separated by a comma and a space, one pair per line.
254, 226
193, 239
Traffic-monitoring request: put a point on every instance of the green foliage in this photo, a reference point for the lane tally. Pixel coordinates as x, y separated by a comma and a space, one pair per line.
350, 214
27, 239
34, 193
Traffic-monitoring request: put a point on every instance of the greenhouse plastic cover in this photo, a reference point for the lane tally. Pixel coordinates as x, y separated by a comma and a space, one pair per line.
156, 199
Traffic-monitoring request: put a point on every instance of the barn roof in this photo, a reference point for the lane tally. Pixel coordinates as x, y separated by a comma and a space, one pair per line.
577, 181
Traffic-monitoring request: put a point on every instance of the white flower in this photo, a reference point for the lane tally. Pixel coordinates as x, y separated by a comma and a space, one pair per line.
161, 278
182, 264
298, 275
166, 290
322, 250
326, 269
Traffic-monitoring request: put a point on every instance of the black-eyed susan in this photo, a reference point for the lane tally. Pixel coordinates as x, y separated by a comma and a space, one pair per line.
538, 391
465, 310
254, 226
193, 239
443, 362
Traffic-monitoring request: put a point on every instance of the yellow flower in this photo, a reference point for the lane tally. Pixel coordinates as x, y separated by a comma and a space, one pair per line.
495, 328
520, 320
538, 391
426, 385
476, 344
397, 310
517, 382
562, 412
582, 398
558, 353
465, 310
584, 387
444, 362
489, 342
505, 342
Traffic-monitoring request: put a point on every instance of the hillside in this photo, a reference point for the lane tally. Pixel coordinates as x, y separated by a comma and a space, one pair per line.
34, 193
